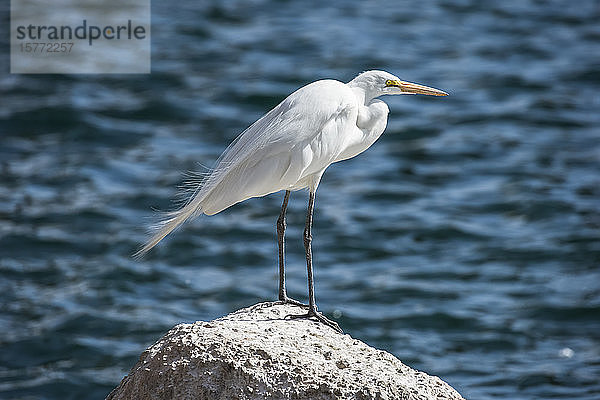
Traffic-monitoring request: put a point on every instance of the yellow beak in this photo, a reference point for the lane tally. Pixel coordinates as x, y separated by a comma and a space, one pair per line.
409, 87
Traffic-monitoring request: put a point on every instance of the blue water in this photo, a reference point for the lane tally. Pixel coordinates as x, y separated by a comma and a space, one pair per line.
466, 241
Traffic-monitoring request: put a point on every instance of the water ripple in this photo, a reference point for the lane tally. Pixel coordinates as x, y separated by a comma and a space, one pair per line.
466, 241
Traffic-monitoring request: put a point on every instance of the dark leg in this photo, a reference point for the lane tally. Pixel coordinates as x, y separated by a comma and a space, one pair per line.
281, 224
312, 307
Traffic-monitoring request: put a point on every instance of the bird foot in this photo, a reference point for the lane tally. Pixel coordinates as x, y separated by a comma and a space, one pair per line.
312, 312
288, 300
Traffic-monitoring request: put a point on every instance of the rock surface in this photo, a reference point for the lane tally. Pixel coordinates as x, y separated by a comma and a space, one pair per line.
255, 353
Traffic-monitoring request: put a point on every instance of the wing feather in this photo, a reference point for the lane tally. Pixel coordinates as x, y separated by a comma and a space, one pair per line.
274, 153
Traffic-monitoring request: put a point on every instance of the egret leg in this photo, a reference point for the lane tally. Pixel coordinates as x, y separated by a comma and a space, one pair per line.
281, 225
312, 307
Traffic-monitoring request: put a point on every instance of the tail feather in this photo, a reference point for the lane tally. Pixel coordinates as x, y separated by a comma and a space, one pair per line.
198, 187
172, 220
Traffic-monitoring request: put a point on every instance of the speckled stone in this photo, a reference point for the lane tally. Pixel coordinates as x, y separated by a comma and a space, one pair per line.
255, 353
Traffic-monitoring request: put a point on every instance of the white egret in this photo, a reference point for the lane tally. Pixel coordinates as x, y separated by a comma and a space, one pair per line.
288, 149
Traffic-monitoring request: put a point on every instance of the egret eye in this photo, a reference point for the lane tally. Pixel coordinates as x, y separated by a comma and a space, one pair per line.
389, 82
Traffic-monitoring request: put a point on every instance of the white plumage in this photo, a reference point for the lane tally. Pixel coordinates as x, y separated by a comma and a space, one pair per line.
290, 147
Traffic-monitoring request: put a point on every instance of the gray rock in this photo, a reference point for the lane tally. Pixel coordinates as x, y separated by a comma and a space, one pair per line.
255, 353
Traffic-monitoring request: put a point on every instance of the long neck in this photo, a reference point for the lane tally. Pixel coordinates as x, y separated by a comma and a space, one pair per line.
364, 96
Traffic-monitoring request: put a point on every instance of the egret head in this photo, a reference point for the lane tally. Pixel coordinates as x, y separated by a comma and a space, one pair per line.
379, 83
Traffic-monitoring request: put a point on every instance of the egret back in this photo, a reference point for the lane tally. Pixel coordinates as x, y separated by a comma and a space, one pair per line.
286, 149
299, 138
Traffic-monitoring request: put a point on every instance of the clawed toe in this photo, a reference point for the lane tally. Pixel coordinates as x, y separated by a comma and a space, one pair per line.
288, 300
319, 316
